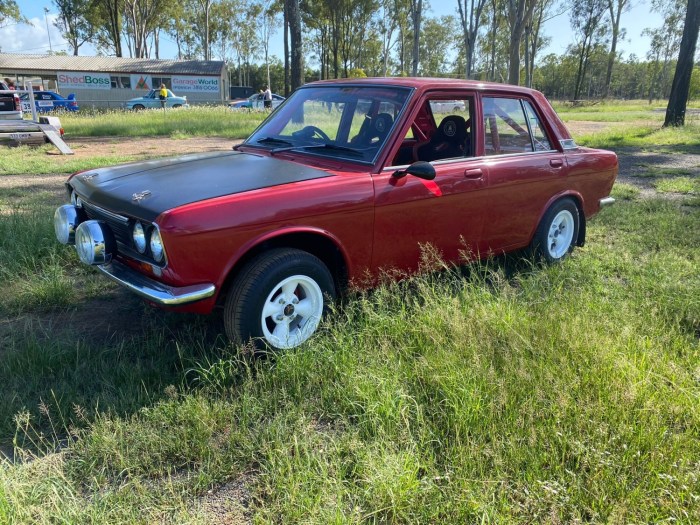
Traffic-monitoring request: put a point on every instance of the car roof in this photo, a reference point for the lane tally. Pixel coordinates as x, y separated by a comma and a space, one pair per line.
426, 83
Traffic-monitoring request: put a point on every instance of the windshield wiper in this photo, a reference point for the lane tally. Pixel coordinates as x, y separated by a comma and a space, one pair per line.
273, 140
326, 145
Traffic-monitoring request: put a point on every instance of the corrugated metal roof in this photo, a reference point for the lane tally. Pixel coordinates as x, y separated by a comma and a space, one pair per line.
10, 62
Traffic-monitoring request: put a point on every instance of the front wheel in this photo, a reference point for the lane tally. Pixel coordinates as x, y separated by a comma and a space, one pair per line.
138, 107
557, 233
278, 299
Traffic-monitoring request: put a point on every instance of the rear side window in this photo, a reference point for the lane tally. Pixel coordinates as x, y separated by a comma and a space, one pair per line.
512, 126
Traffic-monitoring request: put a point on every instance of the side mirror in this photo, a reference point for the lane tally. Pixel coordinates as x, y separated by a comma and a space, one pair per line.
420, 169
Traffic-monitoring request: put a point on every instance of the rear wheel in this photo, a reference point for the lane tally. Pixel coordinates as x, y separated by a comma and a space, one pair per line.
177, 105
557, 233
278, 299
139, 107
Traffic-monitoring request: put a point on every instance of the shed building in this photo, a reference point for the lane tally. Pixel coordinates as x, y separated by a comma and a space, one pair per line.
111, 81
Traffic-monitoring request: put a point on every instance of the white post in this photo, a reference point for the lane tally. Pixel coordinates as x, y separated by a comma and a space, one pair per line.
31, 101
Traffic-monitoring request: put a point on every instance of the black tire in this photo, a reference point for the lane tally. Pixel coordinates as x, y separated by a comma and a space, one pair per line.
557, 233
258, 287
138, 107
177, 106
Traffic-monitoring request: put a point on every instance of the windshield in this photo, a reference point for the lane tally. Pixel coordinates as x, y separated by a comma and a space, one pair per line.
349, 122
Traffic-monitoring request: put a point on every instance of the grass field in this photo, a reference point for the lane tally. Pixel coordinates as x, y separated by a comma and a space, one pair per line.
499, 393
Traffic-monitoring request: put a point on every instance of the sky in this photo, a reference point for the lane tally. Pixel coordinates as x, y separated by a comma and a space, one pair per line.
34, 38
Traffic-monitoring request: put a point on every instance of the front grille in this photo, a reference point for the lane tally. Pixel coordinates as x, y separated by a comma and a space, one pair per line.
117, 223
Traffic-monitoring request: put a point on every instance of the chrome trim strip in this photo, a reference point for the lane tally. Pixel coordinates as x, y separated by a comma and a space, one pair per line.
109, 214
606, 201
467, 159
154, 291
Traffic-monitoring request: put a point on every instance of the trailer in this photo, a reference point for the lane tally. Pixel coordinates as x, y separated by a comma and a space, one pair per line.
15, 130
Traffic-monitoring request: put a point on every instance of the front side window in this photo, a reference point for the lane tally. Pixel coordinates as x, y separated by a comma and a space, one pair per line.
348, 122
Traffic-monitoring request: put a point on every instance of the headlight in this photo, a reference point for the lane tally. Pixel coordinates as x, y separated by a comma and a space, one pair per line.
95, 242
75, 200
157, 246
65, 221
139, 236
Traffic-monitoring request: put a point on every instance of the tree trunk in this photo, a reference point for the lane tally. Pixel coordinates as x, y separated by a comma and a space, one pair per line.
519, 14
297, 61
416, 11
615, 20
677, 102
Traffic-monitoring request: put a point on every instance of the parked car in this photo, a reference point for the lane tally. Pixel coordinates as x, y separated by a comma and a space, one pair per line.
347, 179
45, 101
151, 100
256, 102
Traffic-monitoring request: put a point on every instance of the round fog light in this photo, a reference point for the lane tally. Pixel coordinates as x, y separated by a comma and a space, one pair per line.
95, 242
65, 221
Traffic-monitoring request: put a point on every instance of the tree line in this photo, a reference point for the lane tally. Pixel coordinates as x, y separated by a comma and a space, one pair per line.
494, 40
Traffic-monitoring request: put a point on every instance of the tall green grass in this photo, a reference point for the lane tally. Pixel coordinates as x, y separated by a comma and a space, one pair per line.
503, 393
197, 121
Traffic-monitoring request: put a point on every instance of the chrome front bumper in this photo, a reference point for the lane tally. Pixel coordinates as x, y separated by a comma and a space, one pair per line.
607, 201
154, 291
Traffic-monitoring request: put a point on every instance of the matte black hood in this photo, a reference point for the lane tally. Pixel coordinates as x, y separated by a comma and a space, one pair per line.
146, 189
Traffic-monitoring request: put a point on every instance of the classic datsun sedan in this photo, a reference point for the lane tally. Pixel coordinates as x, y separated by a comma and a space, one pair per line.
346, 179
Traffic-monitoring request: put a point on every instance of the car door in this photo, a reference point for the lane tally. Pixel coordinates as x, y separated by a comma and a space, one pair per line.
446, 213
524, 170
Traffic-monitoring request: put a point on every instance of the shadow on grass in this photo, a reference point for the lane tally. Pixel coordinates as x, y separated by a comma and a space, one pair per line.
115, 355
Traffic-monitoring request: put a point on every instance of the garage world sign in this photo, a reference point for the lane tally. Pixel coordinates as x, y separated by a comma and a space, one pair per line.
83, 81
195, 84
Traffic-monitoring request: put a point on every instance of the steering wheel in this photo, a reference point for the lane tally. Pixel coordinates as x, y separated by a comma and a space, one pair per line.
311, 132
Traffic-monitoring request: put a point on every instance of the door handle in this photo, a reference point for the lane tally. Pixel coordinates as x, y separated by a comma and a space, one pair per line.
556, 163
473, 174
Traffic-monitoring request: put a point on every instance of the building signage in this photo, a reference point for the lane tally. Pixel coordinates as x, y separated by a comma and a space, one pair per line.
195, 84
141, 82
68, 81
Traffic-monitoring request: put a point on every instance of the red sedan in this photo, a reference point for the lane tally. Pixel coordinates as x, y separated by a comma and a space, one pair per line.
344, 180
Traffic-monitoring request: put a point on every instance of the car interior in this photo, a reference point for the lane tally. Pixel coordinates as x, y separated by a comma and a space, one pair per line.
440, 130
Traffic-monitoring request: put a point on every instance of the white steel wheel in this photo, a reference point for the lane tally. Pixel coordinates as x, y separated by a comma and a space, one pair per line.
561, 234
557, 233
278, 299
292, 312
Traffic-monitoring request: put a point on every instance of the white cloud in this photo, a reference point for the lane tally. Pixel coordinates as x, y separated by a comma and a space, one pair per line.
32, 38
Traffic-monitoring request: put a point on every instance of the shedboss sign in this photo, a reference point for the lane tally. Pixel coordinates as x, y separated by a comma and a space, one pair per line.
83, 81
195, 84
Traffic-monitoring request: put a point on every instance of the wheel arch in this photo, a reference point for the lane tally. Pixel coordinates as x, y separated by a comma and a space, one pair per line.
578, 201
314, 241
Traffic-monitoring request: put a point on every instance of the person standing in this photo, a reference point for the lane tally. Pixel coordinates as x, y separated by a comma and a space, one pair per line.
267, 97
163, 95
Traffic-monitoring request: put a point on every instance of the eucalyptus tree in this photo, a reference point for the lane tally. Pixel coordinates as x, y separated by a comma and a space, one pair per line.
675, 111
416, 11
73, 22
142, 17
535, 41
107, 20
664, 46
519, 13
437, 39
9, 12
471, 17
292, 15
267, 22
615, 10
587, 23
